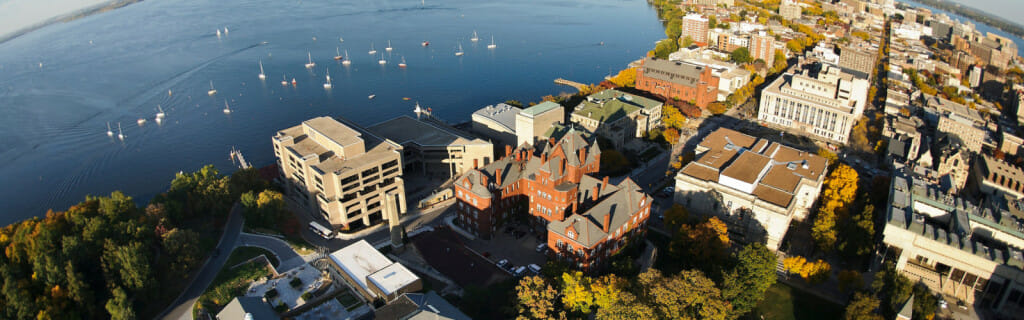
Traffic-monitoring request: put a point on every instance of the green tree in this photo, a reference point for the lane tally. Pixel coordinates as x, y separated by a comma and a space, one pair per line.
628, 307
675, 217
740, 55
127, 265
744, 286
712, 21
183, 247
687, 42
119, 306
690, 295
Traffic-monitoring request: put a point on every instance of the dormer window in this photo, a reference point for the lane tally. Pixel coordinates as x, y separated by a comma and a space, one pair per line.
572, 235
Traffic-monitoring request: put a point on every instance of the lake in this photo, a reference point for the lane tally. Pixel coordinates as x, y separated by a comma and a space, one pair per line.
62, 84
981, 27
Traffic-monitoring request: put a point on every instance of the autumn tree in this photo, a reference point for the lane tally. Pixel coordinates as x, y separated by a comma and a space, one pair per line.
717, 108
703, 245
608, 291
671, 135
627, 307
690, 295
625, 77
754, 271
862, 307
839, 191
576, 294
675, 217
536, 299
811, 271
850, 280
671, 117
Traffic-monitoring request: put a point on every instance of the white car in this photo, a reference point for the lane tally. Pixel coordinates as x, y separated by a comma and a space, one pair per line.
541, 247
519, 272
502, 263
534, 268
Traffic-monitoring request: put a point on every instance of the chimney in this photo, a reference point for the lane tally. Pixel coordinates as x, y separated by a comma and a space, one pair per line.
551, 140
574, 206
583, 156
508, 150
529, 155
519, 156
497, 176
593, 194
476, 163
483, 179
604, 183
561, 167
607, 221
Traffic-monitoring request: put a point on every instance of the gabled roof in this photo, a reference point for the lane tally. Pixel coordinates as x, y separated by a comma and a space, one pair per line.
239, 307
621, 205
610, 105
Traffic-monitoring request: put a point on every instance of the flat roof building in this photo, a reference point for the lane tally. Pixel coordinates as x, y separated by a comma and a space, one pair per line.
997, 177
533, 122
340, 171
695, 26
754, 185
817, 100
498, 123
372, 274
434, 148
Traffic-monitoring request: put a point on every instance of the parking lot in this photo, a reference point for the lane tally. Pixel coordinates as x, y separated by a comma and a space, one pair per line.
514, 243
445, 251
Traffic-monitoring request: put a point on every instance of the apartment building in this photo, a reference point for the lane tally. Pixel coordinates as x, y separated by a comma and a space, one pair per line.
677, 80
971, 133
340, 171
956, 248
433, 148
695, 26
858, 59
817, 100
762, 46
617, 116
754, 185
790, 9
586, 219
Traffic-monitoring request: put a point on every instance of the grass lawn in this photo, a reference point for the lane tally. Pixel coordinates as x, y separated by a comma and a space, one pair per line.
783, 302
230, 283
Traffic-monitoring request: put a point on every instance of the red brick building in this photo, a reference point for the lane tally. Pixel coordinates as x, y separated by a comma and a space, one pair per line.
683, 81
586, 219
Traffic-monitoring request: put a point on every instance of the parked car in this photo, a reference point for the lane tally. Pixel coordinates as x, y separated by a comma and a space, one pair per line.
519, 272
541, 247
943, 304
534, 268
502, 263
510, 268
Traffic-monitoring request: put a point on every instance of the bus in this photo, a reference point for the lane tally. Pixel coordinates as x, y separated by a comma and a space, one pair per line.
321, 230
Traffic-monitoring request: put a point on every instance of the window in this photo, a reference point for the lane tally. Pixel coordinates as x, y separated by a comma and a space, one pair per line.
572, 235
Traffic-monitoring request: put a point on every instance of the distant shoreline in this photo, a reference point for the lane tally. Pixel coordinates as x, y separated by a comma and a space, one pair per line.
82, 13
977, 15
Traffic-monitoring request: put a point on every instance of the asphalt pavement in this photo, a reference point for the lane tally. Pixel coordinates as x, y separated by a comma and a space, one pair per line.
287, 257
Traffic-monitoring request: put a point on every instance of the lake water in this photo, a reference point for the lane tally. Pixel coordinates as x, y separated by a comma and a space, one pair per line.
981, 27
61, 85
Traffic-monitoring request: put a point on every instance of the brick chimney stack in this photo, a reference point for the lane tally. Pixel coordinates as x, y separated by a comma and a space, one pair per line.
561, 167
508, 150
583, 156
575, 205
519, 156
604, 182
475, 163
497, 177
593, 195
483, 179
607, 222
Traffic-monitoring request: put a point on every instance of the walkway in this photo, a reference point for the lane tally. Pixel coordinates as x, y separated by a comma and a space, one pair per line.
287, 256
181, 308
574, 84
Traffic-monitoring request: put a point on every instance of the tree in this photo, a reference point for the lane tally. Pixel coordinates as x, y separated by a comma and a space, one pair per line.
740, 55
690, 295
576, 294
516, 103
744, 286
183, 246
795, 46
850, 280
687, 42
671, 117
703, 246
119, 307
628, 307
671, 135
717, 107
712, 21
675, 217
608, 291
862, 307
536, 298
824, 229
127, 265
813, 272
625, 78
665, 47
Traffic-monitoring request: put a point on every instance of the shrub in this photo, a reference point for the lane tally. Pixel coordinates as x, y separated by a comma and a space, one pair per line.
295, 283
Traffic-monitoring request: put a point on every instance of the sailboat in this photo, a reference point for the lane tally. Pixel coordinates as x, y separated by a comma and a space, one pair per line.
372, 50
262, 76
382, 61
218, 33
294, 82
492, 45
340, 39
347, 61
402, 64
338, 56
310, 64
459, 53
141, 121
225, 31
284, 80
120, 134
160, 114
388, 48
110, 133
328, 84
212, 90
475, 38
227, 109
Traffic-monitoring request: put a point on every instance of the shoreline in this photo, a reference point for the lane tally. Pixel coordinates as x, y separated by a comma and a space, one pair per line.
975, 15
78, 14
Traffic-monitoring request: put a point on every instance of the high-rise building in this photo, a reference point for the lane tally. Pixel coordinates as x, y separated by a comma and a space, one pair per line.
818, 100
762, 46
695, 26
860, 60
340, 171
975, 76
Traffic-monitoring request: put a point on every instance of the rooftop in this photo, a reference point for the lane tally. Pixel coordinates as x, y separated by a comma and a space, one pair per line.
392, 278
540, 108
405, 129
611, 105
676, 72
336, 144
242, 308
617, 202
360, 260
501, 113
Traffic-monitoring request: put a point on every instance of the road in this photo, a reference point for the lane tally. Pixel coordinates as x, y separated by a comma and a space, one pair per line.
288, 258
182, 307
414, 218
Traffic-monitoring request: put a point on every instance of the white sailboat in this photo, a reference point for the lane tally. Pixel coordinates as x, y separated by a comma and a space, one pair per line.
337, 52
402, 64
372, 50
328, 84
160, 112
347, 61
120, 134
388, 48
382, 61
284, 80
459, 53
227, 109
262, 76
475, 38
218, 33
141, 121
340, 39
212, 91
110, 133
225, 31
371, 96
492, 45
310, 64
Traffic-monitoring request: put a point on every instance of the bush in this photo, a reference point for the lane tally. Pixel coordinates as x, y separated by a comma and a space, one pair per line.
295, 283
272, 293
307, 295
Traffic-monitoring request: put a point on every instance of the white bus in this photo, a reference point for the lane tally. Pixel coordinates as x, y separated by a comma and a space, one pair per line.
321, 230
